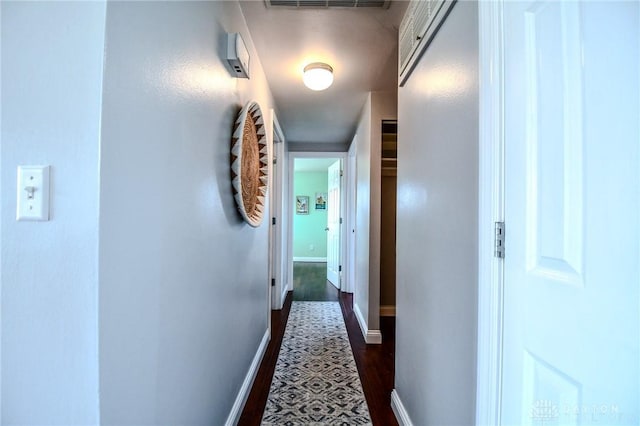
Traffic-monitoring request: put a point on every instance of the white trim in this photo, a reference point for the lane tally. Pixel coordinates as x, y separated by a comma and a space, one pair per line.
285, 290
402, 416
276, 127
491, 209
388, 310
343, 221
290, 179
361, 321
310, 259
371, 337
277, 242
243, 394
350, 220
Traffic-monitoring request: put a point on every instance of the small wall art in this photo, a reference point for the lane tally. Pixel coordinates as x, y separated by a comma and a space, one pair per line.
321, 200
302, 204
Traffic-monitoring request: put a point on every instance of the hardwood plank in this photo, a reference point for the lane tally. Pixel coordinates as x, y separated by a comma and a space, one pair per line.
257, 400
375, 365
310, 283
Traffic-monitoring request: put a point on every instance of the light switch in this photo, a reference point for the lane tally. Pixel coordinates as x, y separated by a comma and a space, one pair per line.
33, 193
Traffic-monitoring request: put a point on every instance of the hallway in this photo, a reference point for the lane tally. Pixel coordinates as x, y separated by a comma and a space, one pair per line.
135, 291
375, 364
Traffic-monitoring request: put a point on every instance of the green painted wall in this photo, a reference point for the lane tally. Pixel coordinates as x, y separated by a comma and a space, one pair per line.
309, 236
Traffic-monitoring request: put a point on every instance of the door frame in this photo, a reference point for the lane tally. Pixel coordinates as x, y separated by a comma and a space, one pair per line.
339, 217
292, 158
350, 213
277, 205
491, 193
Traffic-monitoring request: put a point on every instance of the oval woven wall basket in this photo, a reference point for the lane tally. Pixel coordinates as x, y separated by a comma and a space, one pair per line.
250, 163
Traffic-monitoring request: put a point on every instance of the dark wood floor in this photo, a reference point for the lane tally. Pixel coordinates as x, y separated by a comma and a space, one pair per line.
375, 365
310, 282
257, 400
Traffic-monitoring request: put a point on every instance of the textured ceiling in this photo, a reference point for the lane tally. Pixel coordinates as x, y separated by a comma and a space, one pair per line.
360, 45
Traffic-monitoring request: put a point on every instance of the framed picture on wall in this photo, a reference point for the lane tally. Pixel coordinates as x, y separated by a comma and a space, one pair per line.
302, 204
321, 200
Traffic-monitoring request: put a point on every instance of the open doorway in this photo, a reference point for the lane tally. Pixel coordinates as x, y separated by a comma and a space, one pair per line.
388, 201
316, 221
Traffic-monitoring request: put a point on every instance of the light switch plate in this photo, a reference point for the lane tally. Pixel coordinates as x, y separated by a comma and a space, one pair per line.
33, 193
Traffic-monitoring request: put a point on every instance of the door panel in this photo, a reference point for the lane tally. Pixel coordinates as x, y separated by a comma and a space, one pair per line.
333, 225
554, 140
571, 300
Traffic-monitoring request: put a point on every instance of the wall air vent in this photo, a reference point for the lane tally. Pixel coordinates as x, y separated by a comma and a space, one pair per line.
419, 26
325, 4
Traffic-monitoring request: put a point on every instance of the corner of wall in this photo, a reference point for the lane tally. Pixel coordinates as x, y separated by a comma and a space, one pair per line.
402, 416
371, 337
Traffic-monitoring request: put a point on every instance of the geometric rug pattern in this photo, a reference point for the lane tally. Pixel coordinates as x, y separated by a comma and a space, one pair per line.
316, 381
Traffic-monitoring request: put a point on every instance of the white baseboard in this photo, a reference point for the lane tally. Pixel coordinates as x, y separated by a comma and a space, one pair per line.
387, 311
372, 337
310, 259
361, 321
285, 291
398, 409
243, 394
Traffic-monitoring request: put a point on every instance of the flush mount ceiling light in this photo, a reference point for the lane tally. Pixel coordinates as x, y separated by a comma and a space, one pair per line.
317, 76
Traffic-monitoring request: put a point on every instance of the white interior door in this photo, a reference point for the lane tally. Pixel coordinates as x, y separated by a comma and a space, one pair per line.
571, 299
274, 235
333, 224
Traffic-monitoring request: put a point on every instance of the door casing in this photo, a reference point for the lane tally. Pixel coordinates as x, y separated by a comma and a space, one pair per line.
289, 212
277, 205
490, 210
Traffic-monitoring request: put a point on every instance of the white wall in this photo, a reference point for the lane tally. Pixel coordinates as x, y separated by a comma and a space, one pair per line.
183, 281
363, 209
437, 227
350, 215
378, 106
52, 59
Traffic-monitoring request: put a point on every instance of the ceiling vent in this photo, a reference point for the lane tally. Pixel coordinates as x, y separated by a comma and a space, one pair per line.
325, 4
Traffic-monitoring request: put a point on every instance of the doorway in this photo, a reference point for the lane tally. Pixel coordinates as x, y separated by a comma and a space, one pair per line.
388, 200
558, 304
316, 237
277, 232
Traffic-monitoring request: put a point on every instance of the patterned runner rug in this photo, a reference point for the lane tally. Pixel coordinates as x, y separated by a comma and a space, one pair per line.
316, 380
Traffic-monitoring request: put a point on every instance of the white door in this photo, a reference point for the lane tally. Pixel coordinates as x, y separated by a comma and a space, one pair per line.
333, 225
571, 299
275, 230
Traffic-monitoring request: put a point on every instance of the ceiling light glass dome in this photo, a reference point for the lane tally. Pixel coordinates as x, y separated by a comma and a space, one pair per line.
318, 76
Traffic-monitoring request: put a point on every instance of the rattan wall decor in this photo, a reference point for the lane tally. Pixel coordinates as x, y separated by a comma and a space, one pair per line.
250, 163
